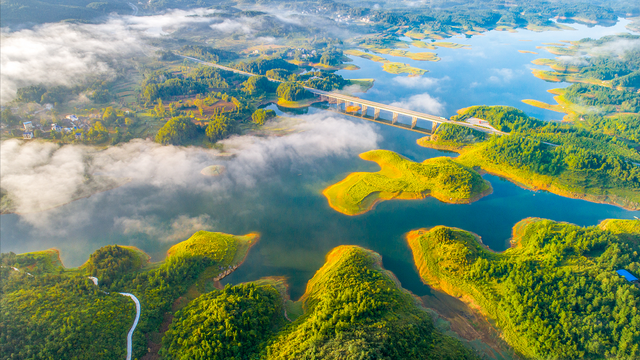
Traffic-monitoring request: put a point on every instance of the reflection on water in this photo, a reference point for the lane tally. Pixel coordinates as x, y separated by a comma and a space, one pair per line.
286, 207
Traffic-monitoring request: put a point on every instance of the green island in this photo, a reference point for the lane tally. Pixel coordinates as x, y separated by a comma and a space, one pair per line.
389, 66
553, 294
352, 307
50, 311
434, 45
399, 178
561, 158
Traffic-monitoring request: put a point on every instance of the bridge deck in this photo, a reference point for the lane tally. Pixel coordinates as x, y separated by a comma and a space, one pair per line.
372, 104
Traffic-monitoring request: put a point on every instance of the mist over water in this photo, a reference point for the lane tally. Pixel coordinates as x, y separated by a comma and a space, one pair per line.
273, 185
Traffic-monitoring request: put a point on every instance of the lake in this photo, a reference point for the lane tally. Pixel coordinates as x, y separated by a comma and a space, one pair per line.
282, 200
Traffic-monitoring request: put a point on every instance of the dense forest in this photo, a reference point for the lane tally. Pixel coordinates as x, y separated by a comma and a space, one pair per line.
572, 158
225, 324
555, 293
353, 309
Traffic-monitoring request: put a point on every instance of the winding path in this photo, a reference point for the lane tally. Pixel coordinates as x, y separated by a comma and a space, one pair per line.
135, 322
133, 327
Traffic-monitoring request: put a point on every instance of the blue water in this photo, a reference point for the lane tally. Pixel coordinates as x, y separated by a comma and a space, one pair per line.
296, 224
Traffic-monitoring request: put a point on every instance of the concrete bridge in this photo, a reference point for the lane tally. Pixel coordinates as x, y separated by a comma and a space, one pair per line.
365, 105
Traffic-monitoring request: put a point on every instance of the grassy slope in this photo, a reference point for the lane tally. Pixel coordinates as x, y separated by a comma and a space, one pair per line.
445, 256
399, 178
573, 184
569, 183
228, 251
388, 66
353, 306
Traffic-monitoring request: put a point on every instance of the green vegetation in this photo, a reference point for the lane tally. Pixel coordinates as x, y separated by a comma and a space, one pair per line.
452, 136
557, 157
59, 313
388, 66
353, 309
261, 115
218, 128
176, 131
399, 178
292, 91
53, 315
554, 294
606, 83
224, 324
112, 261
208, 53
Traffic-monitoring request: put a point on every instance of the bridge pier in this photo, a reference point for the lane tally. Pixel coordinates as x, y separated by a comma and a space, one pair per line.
376, 113
434, 127
414, 122
363, 111
395, 118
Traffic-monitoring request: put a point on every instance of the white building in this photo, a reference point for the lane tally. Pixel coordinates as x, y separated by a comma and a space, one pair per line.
28, 126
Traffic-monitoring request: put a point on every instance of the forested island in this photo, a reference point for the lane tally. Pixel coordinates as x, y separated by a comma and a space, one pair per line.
352, 307
214, 81
554, 294
557, 157
399, 178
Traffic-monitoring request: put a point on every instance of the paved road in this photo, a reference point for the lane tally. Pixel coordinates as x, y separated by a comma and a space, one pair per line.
133, 327
374, 104
135, 322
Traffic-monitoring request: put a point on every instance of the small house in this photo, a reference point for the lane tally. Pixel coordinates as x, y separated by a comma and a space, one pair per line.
627, 275
72, 117
27, 135
78, 135
56, 127
28, 126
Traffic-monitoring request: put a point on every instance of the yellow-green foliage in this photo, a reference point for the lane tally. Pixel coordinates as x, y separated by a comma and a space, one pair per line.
628, 229
552, 293
365, 55
396, 67
219, 247
60, 316
37, 262
557, 65
442, 178
400, 68
354, 310
225, 324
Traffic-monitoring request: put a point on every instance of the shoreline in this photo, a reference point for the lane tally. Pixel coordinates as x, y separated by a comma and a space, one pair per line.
336, 193
530, 184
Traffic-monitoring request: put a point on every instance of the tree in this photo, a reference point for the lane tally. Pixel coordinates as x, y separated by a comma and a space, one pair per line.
159, 109
260, 116
218, 127
257, 85
292, 91
109, 114
176, 131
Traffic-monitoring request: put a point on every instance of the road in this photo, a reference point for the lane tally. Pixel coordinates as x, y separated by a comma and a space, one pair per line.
372, 104
135, 322
133, 327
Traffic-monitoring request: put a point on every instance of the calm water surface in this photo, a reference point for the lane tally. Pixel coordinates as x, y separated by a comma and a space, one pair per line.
296, 224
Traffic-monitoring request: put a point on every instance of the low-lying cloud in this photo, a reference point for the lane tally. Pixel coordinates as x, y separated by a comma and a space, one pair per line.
418, 82
66, 54
39, 176
179, 228
422, 102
